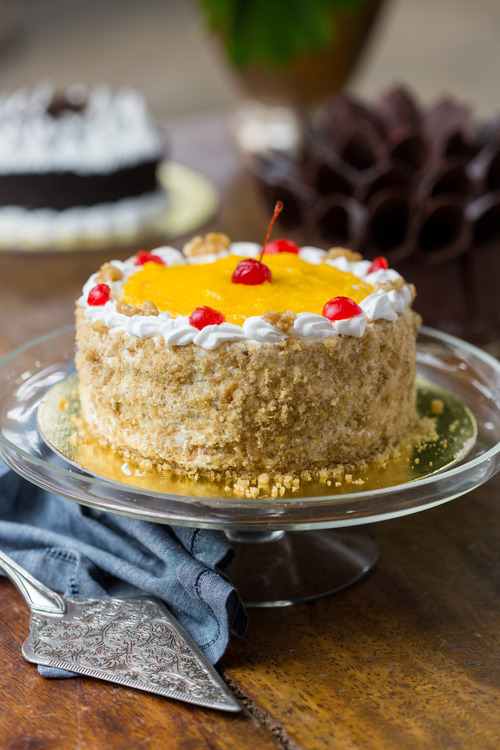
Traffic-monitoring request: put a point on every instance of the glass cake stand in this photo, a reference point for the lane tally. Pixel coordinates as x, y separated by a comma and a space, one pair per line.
292, 548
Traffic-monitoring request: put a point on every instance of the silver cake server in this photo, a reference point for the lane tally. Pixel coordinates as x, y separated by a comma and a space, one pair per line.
134, 642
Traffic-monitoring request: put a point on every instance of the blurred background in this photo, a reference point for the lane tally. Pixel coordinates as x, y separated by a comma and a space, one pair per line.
428, 199
162, 48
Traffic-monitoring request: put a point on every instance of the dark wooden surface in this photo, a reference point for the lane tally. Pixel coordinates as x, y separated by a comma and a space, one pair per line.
407, 658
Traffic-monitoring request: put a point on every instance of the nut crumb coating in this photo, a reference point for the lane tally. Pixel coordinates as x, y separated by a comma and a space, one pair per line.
287, 407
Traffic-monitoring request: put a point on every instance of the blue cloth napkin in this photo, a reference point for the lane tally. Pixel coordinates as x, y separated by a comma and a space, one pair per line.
79, 551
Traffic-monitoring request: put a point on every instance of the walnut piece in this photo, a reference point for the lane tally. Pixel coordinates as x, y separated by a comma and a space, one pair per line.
388, 286
342, 252
148, 308
282, 321
109, 272
125, 309
212, 243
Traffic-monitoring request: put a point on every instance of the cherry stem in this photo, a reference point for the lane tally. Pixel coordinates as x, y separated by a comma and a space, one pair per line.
277, 210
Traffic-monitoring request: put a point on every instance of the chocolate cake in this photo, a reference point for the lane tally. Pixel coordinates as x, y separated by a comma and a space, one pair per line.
82, 163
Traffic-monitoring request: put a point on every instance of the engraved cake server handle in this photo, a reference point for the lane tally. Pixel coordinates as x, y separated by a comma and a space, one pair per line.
132, 641
38, 597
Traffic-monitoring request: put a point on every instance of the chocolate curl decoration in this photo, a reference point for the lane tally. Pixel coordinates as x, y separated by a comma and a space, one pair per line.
449, 129
445, 233
484, 214
380, 178
483, 272
483, 266
388, 224
330, 175
442, 293
279, 181
360, 147
420, 185
484, 169
411, 152
445, 177
297, 200
340, 221
336, 113
488, 131
396, 113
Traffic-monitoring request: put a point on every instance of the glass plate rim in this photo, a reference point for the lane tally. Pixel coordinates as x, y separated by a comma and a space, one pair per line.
463, 466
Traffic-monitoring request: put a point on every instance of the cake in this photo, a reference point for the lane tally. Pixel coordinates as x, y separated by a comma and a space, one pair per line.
81, 163
187, 365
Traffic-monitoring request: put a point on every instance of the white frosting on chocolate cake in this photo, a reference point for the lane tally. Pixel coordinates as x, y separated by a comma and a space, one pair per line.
111, 131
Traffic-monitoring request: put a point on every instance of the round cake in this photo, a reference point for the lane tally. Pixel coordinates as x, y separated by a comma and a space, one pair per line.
82, 163
212, 360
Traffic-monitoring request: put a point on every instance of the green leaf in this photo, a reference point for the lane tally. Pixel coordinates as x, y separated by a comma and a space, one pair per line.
273, 32
219, 13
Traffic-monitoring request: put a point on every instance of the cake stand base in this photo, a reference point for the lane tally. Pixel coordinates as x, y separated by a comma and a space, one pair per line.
277, 568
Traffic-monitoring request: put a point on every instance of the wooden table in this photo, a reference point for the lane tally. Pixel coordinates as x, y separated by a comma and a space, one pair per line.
407, 658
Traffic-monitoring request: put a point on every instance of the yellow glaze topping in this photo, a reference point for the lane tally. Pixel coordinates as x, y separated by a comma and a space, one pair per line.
296, 285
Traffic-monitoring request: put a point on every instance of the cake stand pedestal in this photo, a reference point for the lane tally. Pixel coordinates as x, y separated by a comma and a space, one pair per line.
278, 568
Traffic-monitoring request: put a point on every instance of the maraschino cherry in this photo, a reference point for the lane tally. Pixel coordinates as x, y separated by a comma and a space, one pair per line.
143, 257
252, 271
281, 246
341, 308
378, 264
99, 295
205, 316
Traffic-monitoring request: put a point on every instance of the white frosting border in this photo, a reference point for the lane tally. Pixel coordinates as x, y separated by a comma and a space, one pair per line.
380, 305
41, 227
114, 130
